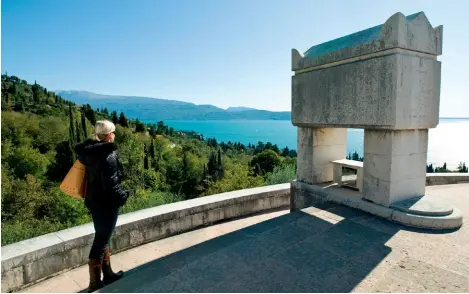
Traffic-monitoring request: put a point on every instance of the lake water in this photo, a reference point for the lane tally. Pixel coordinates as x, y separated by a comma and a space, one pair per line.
447, 143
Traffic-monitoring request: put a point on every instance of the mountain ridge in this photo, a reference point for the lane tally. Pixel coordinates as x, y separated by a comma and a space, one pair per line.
148, 108
240, 108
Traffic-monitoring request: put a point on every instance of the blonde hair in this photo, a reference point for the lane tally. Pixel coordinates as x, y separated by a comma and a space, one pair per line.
102, 129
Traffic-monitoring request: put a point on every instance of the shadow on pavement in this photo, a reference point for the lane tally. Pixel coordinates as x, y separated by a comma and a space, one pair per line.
296, 252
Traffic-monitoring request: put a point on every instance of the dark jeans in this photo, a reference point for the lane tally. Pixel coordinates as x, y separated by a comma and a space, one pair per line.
104, 220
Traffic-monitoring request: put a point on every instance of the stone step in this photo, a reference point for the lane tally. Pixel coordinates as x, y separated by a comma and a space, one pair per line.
424, 206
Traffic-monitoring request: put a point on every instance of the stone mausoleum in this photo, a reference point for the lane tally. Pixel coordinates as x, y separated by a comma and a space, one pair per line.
385, 80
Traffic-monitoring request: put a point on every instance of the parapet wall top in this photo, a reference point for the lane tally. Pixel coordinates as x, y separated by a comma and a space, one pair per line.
413, 33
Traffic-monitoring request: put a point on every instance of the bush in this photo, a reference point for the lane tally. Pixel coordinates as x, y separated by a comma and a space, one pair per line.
237, 177
20, 197
144, 200
52, 131
20, 230
58, 207
151, 179
26, 160
281, 174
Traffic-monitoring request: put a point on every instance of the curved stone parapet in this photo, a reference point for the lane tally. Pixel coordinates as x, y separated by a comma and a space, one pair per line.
433, 179
32, 260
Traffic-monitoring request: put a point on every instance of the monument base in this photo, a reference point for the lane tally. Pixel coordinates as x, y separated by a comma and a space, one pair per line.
420, 212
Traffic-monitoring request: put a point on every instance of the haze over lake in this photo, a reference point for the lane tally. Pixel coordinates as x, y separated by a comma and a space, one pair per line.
447, 143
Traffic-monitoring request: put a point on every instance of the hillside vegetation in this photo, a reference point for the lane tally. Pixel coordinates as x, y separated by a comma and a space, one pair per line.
40, 128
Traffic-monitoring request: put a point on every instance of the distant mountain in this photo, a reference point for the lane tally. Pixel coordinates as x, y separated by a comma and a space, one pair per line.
240, 108
146, 108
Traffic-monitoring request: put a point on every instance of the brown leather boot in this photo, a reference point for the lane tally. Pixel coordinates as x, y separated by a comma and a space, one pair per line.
95, 267
108, 275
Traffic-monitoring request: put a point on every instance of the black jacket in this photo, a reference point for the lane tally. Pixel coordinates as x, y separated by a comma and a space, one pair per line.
104, 174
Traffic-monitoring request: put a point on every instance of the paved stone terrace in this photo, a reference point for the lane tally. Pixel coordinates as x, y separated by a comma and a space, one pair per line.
327, 249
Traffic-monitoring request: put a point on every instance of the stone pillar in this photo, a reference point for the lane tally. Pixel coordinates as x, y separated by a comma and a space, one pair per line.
317, 147
394, 165
304, 160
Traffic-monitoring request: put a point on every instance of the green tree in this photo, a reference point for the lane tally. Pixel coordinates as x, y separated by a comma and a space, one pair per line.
281, 174
152, 130
275, 149
293, 154
159, 149
259, 148
161, 128
212, 167
430, 168
62, 163
51, 131
19, 197
114, 118
146, 162
72, 135
78, 132
132, 156
237, 177
90, 114
265, 162
462, 168
151, 152
21, 107
220, 167
83, 124
139, 126
123, 121
192, 171
151, 180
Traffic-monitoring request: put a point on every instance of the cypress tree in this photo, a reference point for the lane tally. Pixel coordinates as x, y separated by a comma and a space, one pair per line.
72, 136
71, 125
90, 115
152, 130
152, 149
114, 118
211, 165
220, 167
123, 121
83, 125
139, 126
146, 162
205, 179
78, 132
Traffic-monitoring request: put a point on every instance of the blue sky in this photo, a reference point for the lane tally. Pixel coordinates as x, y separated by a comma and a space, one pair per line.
220, 52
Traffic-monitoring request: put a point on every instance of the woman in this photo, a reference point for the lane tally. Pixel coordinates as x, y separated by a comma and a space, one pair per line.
103, 198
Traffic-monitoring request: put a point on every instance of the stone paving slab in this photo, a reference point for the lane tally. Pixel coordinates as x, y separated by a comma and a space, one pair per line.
335, 249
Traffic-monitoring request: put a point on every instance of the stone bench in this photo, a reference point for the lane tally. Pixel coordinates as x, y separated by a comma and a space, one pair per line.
356, 165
